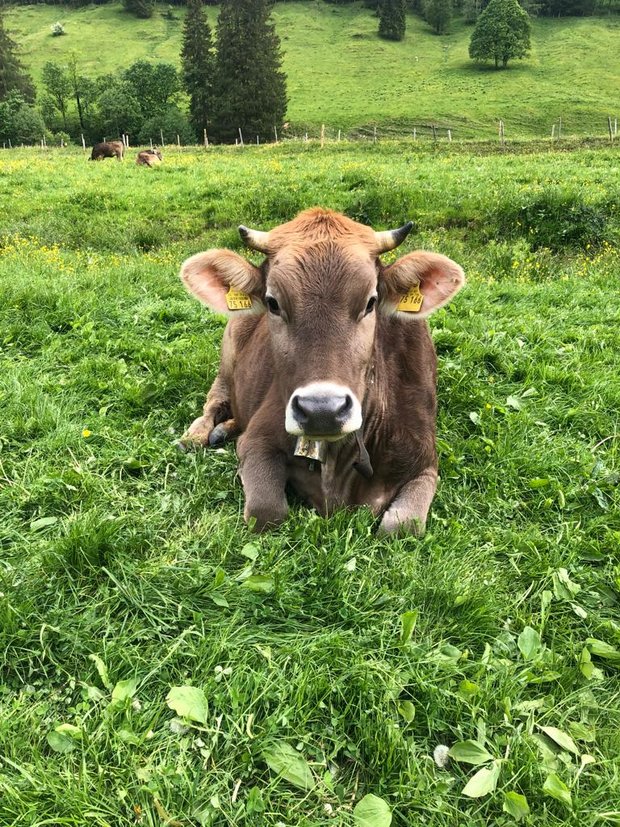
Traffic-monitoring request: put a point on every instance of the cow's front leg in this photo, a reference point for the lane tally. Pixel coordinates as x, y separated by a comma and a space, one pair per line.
262, 469
408, 511
216, 425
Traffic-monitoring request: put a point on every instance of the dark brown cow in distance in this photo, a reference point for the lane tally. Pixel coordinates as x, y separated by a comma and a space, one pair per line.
327, 369
149, 158
108, 149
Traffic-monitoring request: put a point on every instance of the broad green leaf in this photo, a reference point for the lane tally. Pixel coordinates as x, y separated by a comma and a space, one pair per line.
470, 752
70, 730
408, 621
483, 782
407, 710
587, 668
603, 650
124, 690
372, 811
562, 739
286, 762
250, 550
613, 816
43, 522
563, 587
529, 643
548, 751
556, 788
467, 689
259, 583
539, 482
189, 702
514, 402
516, 805
582, 732
102, 669
61, 743
219, 600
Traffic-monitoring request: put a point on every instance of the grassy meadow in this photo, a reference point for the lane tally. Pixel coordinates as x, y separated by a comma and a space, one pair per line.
159, 665
342, 75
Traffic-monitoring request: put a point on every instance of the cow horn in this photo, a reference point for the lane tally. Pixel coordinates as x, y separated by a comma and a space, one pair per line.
254, 239
389, 239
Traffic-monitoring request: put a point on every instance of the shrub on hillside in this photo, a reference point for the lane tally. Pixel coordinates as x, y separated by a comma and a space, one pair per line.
57, 29
171, 122
557, 220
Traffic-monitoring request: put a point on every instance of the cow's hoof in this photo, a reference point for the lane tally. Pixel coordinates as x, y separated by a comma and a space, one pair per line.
264, 519
218, 436
397, 525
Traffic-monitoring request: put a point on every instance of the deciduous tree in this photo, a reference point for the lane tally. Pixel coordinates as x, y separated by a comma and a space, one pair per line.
58, 87
502, 33
438, 14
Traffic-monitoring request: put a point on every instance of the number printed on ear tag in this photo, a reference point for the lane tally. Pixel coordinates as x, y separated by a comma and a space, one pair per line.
412, 302
236, 300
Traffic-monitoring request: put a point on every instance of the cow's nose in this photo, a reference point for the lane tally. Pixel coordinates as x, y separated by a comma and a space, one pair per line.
321, 414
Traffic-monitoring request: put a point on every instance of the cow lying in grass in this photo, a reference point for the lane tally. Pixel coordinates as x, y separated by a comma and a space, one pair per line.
149, 158
328, 368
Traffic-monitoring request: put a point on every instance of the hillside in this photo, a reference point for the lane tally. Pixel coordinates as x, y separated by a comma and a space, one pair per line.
342, 75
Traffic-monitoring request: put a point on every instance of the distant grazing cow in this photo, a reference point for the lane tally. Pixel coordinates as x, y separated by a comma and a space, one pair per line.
327, 368
108, 149
149, 158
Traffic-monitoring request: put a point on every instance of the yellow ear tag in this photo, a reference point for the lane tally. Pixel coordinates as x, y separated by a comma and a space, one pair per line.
236, 300
412, 302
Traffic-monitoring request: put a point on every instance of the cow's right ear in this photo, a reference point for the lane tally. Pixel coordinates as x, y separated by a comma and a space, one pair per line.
224, 281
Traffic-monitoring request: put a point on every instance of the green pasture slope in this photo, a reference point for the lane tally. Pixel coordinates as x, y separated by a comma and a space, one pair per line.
341, 74
126, 570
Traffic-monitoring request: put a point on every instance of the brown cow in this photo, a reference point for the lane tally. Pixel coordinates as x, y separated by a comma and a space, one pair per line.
108, 149
327, 368
149, 158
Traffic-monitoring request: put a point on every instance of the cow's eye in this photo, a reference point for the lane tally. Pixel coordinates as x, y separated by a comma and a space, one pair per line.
272, 305
372, 301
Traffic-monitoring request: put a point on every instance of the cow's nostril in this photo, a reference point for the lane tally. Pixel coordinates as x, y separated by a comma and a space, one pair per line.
346, 405
298, 409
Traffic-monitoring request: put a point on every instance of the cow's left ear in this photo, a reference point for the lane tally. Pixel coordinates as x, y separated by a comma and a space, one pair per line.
224, 281
419, 283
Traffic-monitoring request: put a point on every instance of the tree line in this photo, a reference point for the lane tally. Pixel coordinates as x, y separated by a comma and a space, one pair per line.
233, 81
231, 85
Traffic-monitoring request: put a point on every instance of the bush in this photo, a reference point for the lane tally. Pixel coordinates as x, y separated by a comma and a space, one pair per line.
171, 122
557, 220
57, 29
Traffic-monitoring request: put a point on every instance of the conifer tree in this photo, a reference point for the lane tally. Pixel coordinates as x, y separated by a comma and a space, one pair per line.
249, 84
392, 19
502, 33
13, 77
198, 64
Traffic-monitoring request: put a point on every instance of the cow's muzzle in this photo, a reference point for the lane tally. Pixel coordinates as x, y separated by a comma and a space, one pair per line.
323, 410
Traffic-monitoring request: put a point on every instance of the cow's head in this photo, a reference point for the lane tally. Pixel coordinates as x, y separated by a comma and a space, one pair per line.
322, 286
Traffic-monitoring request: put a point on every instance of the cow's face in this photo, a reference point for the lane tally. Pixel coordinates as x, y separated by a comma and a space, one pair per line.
321, 292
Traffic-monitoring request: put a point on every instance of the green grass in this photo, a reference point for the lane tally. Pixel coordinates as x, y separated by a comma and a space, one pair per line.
114, 545
341, 74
